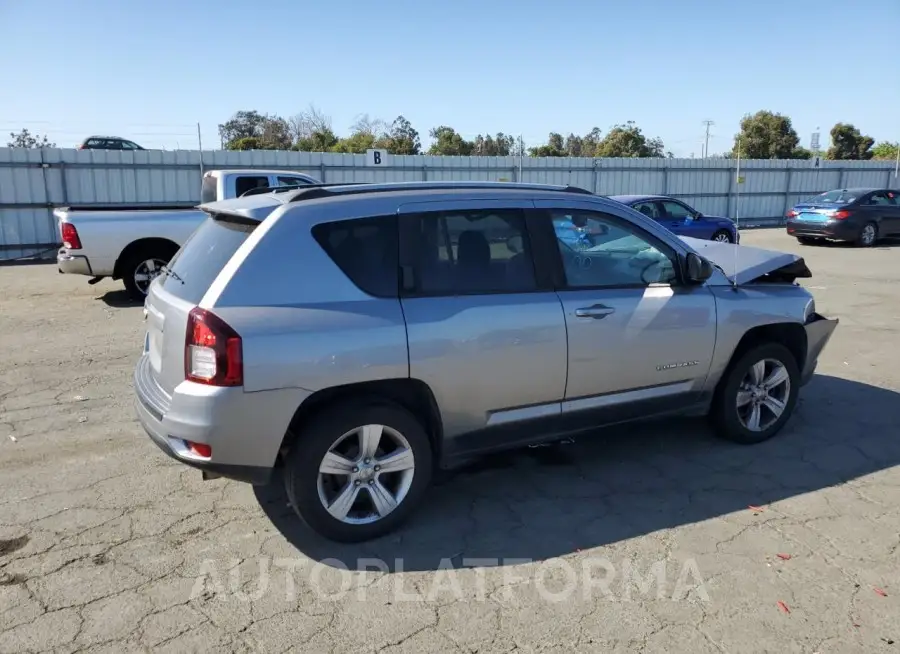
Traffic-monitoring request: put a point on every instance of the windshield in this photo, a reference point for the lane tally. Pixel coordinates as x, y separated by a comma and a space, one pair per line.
834, 197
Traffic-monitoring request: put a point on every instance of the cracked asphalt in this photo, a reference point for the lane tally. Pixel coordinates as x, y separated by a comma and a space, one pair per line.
655, 538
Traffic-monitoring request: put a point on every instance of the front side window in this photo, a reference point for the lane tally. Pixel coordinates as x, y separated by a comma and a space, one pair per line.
615, 254
365, 250
471, 252
676, 210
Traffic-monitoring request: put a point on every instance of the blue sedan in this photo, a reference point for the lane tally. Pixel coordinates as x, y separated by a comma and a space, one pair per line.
680, 218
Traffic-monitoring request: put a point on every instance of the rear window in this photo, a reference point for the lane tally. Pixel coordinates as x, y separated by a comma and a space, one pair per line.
365, 250
202, 257
835, 197
209, 189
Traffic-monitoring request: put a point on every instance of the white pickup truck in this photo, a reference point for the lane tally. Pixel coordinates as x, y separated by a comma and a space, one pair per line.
134, 243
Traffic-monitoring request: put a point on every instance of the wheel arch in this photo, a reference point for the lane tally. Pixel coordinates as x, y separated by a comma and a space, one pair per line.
790, 334
411, 394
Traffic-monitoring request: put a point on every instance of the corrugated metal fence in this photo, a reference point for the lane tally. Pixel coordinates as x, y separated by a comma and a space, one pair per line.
33, 182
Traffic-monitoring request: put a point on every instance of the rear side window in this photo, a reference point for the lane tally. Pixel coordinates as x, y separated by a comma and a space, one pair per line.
246, 183
365, 250
202, 257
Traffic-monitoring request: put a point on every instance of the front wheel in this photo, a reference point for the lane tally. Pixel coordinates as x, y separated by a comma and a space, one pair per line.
722, 236
757, 395
358, 471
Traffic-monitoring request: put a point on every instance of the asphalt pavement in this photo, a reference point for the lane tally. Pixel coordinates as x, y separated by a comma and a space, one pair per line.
657, 538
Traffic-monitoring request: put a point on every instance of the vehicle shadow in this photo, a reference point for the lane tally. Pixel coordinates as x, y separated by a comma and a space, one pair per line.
119, 299
547, 502
882, 244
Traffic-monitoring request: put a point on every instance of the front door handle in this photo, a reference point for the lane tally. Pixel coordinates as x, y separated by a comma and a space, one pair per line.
597, 311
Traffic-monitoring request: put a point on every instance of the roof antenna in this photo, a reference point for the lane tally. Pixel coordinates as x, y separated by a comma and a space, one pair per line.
737, 209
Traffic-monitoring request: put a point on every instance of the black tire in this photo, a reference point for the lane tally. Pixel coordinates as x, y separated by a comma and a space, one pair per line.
808, 240
301, 467
720, 233
724, 413
861, 240
133, 260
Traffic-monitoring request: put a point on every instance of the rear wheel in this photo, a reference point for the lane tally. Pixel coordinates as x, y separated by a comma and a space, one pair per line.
358, 471
757, 395
867, 235
141, 267
722, 236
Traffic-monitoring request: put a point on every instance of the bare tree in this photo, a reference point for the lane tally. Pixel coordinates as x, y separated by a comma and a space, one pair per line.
371, 126
309, 122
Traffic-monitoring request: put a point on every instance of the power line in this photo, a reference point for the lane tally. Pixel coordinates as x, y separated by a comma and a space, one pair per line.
708, 124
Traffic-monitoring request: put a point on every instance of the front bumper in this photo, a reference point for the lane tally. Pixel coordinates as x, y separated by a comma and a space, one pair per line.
839, 230
244, 430
73, 264
819, 330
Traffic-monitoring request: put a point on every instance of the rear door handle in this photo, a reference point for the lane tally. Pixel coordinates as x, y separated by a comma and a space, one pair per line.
598, 311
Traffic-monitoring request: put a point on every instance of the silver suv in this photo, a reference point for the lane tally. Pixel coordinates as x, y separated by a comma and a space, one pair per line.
358, 336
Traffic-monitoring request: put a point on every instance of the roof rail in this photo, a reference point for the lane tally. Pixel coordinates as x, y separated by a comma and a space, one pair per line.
315, 191
283, 188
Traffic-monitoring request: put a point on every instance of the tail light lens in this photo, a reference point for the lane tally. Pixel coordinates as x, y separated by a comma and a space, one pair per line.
790, 214
840, 215
70, 236
213, 353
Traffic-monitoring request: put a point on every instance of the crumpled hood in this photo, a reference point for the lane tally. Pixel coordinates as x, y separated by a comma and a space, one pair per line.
743, 264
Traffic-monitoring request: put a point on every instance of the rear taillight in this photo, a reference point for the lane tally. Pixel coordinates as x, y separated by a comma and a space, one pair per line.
213, 353
70, 237
840, 215
790, 214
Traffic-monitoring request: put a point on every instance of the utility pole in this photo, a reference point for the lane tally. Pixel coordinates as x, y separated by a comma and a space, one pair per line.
708, 124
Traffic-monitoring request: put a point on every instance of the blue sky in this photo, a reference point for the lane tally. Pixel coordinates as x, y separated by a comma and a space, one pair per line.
151, 71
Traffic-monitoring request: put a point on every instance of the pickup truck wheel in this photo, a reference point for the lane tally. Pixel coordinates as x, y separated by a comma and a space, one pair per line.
140, 269
757, 395
357, 471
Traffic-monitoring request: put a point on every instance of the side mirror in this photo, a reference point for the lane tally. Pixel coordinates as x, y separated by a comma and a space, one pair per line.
698, 216
598, 230
698, 268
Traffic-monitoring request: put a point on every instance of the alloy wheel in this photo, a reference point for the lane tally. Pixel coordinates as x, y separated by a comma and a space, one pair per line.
763, 394
146, 271
366, 474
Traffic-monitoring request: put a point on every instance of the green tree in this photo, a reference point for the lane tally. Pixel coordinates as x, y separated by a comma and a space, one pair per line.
323, 140
270, 132
402, 138
848, 143
554, 147
885, 150
25, 139
246, 143
802, 153
766, 135
500, 145
628, 141
448, 142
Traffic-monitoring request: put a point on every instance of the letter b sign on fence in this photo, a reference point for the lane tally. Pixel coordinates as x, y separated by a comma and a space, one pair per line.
375, 157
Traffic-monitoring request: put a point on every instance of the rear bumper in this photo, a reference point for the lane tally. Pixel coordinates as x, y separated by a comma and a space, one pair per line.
244, 430
73, 264
839, 230
819, 330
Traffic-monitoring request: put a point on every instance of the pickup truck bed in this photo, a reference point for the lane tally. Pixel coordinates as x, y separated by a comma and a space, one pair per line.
134, 242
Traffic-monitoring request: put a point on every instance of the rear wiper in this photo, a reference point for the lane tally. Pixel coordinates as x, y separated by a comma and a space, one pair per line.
168, 272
